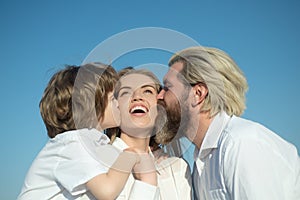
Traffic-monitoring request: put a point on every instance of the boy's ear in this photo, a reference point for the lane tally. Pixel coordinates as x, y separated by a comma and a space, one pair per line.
200, 92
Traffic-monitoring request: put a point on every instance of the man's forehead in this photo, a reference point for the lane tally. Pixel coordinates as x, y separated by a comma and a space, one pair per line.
178, 66
173, 72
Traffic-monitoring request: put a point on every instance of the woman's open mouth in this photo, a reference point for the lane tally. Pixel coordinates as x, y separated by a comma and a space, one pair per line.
138, 110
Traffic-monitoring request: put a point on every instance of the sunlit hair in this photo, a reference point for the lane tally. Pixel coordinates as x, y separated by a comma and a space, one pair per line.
225, 81
84, 87
130, 70
115, 132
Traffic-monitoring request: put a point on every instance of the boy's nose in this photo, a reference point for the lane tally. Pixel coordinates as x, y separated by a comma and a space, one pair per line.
161, 94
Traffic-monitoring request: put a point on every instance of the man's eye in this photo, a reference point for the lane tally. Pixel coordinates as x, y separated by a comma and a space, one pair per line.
165, 88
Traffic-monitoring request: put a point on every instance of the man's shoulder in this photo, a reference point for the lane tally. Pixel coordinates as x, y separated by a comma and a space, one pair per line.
238, 128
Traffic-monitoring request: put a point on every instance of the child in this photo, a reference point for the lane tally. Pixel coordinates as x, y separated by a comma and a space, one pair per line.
78, 104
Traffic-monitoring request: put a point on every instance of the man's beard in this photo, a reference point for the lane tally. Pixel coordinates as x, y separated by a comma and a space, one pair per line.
173, 121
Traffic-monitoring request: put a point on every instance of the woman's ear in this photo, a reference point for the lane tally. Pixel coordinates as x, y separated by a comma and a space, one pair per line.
200, 92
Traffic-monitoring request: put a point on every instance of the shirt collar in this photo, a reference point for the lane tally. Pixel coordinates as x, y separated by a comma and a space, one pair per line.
120, 144
212, 135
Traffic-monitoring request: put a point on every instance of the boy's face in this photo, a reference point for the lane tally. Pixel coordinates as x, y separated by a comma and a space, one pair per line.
112, 113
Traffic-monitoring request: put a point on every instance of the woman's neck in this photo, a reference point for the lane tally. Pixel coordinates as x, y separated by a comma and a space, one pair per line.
141, 144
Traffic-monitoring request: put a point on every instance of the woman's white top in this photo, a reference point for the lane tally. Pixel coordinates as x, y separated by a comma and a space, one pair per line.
174, 180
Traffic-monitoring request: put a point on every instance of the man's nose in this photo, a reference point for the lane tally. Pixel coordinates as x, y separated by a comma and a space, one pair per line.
161, 94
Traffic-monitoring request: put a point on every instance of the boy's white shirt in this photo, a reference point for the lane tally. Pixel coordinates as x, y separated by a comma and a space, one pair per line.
63, 166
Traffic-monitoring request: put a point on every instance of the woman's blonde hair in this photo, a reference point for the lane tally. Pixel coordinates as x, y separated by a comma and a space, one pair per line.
74, 94
130, 70
225, 81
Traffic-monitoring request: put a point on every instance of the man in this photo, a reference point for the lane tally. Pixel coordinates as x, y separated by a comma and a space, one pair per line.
235, 158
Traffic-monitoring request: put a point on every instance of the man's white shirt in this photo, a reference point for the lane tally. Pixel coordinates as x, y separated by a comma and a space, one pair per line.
241, 159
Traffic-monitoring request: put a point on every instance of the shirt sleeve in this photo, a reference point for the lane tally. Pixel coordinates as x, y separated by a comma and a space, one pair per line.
142, 190
75, 167
297, 188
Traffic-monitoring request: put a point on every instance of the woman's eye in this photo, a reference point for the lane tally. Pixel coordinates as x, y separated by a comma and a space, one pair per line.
148, 91
123, 93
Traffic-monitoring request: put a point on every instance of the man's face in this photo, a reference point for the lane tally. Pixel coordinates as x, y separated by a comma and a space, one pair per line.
173, 87
174, 99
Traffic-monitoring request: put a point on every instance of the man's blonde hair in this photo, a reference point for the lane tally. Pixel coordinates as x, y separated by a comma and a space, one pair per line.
225, 81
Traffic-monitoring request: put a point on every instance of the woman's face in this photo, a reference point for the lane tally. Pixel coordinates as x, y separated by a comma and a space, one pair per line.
138, 104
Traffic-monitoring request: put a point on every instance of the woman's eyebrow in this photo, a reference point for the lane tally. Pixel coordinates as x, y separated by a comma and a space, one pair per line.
144, 86
153, 86
124, 87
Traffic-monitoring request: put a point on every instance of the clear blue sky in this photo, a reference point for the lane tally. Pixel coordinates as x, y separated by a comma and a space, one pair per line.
38, 38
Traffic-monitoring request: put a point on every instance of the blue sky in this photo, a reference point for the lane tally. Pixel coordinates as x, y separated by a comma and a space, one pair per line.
40, 37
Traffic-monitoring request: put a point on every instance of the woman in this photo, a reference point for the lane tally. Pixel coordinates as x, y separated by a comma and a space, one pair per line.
136, 93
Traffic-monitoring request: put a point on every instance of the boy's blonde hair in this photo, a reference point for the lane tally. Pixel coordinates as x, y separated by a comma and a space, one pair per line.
85, 88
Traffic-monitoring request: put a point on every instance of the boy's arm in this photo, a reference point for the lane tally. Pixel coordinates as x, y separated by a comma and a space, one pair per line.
110, 184
145, 169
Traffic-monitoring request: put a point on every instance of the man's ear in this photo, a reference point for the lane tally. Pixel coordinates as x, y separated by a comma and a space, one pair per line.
200, 92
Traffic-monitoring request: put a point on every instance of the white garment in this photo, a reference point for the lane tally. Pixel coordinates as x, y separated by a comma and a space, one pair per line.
174, 180
241, 159
62, 167
182, 148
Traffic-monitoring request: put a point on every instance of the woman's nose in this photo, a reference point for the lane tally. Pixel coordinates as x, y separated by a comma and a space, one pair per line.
137, 96
161, 94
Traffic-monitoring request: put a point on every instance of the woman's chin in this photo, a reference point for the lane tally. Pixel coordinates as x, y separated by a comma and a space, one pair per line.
138, 131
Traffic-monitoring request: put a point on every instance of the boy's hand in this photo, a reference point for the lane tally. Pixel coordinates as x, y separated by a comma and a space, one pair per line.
159, 155
144, 170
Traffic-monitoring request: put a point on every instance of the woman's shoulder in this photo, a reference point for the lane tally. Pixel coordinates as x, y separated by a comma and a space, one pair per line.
175, 163
173, 168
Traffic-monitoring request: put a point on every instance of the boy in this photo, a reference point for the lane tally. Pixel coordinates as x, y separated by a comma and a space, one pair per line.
77, 105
